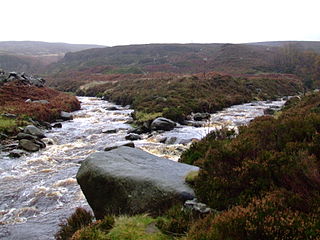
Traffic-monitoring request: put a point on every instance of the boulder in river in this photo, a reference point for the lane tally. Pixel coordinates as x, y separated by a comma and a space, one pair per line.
32, 130
162, 124
119, 144
130, 181
29, 145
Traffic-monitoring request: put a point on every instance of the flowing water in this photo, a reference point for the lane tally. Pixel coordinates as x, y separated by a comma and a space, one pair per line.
37, 191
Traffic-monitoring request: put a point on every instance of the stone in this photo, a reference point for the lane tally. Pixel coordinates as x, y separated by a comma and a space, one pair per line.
32, 130
28, 100
29, 145
132, 137
41, 101
109, 130
16, 153
25, 136
130, 181
162, 124
66, 116
9, 115
119, 144
57, 125
197, 206
201, 116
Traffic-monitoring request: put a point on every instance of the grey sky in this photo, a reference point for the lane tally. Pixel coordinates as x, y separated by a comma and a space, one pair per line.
119, 22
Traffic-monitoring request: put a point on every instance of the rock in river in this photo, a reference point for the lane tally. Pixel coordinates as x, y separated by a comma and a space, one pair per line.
130, 181
119, 144
32, 130
29, 145
162, 124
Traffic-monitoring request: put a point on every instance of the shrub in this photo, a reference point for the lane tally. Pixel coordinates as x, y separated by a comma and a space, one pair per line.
79, 219
177, 220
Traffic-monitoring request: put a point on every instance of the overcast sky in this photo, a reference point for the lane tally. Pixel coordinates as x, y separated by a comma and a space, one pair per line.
119, 22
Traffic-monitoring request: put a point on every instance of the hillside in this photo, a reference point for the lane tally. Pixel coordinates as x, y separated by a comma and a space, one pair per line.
304, 45
176, 58
32, 56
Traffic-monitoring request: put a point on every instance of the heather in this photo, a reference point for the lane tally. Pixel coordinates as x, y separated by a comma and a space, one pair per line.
175, 97
13, 98
265, 181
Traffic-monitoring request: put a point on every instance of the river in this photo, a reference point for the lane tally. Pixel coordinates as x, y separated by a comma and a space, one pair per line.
40, 189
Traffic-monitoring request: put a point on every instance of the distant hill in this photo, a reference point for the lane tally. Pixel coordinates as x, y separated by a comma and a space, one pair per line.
33, 56
304, 45
176, 58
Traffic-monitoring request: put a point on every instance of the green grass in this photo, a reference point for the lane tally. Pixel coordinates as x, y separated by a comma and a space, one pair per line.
136, 228
139, 227
8, 125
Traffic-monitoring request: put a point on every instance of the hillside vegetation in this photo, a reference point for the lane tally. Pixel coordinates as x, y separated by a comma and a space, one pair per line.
175, 97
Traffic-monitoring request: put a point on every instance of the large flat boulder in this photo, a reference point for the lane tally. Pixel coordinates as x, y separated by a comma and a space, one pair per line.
130, 181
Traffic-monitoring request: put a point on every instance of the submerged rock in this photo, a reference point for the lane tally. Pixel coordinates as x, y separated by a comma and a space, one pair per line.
162, 124
131, 181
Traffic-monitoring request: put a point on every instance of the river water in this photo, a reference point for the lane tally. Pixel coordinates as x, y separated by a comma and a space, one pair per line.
40, 189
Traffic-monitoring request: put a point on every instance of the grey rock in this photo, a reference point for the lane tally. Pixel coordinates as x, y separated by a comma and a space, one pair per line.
32, 130
40, 143
201, 116
25, 136
162, 124
132, 137
119, 144
29, 145
197, 206
66, 116
109, 130
131, 181
41, 101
